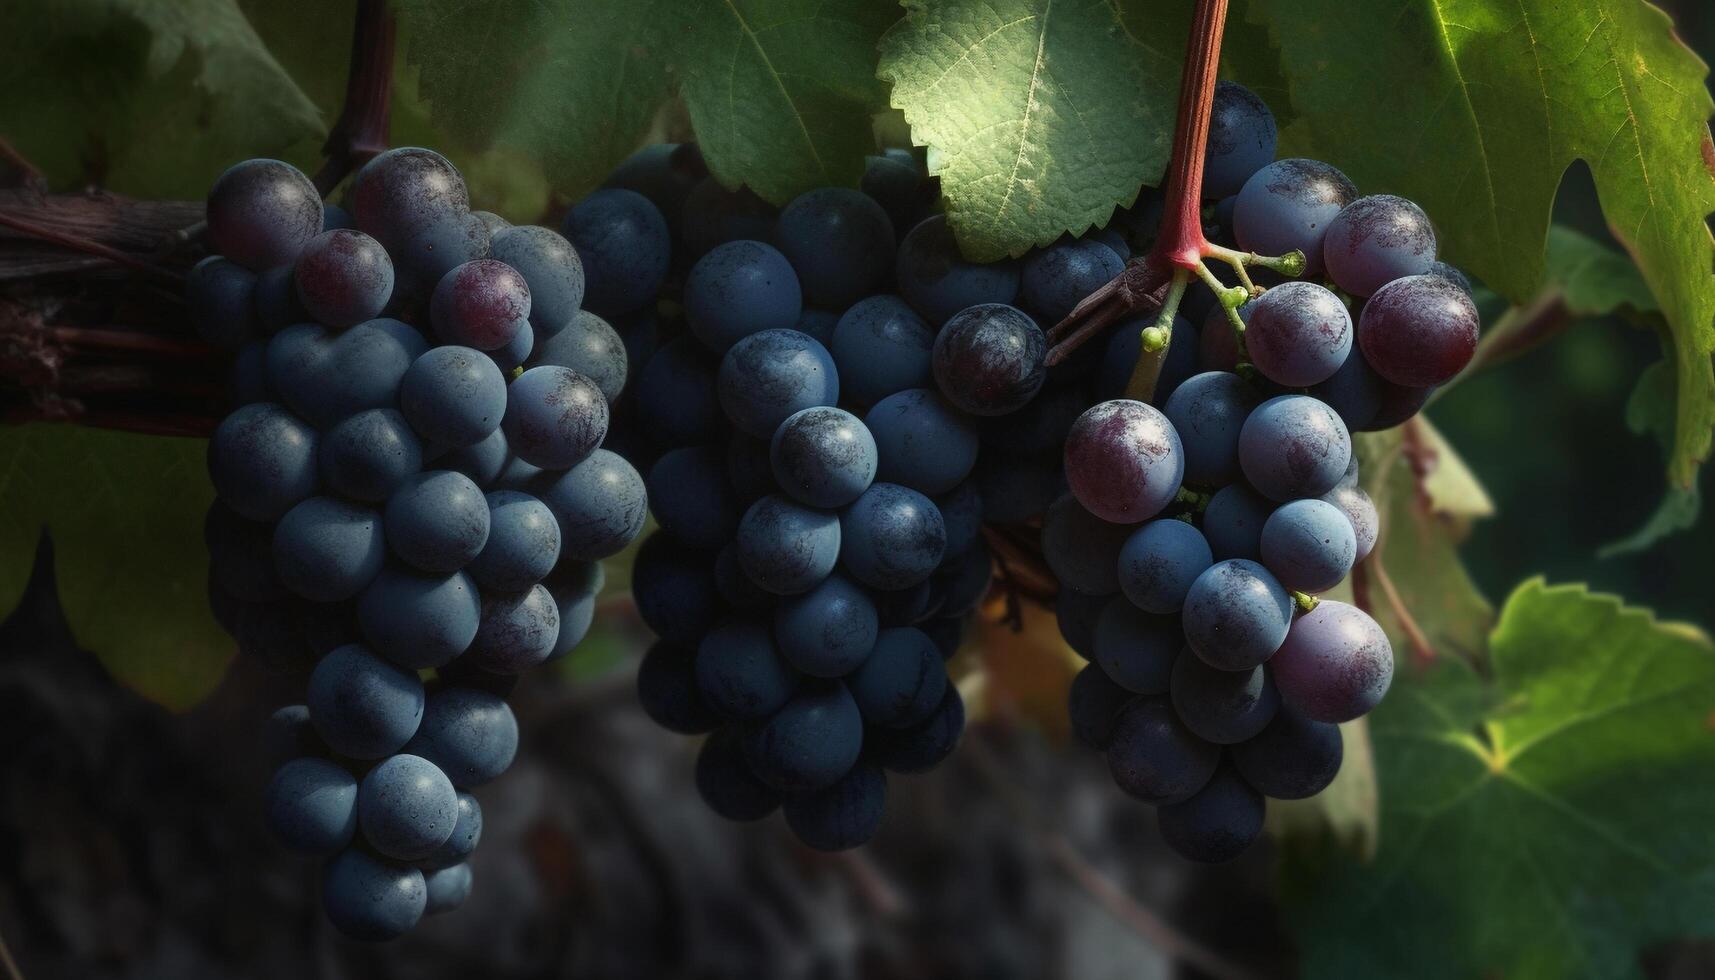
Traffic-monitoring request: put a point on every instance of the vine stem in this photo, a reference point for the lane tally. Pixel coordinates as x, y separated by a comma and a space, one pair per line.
361, 130
1154, 280
90, 247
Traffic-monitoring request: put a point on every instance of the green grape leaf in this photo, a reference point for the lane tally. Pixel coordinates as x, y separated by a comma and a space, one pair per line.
1488, 104
782, 92
148, 98
125, 513
1594, 279
1041, 116
574, 84
1649, 412
1547, 818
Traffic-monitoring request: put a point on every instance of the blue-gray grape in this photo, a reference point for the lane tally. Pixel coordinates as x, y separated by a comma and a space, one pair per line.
787, 548
311, 807
406, 808
809, 743
1136, 649
419, 620
840, 241
1294, 446
1207, 412
1298, 334
1309, 545
1153, 757
769, 375
828, 631
453, 396
1236, 615
523, 543
922, 442
739, 289
437, 521
328, 550
1216, 824
822, 456
902, 680
262, 461
843, 815
892, 537
881, 346
363, 706
1158, 562
469, 734
551, 269
371, 899
1222, 706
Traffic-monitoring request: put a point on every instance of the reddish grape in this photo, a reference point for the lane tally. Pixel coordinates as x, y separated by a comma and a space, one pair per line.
1124, 461
1419, 331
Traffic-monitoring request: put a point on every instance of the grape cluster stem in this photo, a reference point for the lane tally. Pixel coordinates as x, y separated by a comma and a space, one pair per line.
1158, 279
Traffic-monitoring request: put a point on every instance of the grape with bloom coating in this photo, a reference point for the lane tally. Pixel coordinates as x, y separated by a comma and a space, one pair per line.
1124, 461
1335, 664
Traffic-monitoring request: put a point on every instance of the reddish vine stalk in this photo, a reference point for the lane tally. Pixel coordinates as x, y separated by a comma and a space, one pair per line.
1181, 244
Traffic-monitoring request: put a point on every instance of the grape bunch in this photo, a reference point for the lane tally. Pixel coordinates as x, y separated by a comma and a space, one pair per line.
1200, 529
410, 482
813, 478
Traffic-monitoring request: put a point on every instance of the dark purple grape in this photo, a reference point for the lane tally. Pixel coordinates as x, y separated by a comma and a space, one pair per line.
405, 190
1376, 240
988, 359
843, 815
841, 243
881, 347
1451, 274
691, 498
625, 246
667, 691
1236, 615
481, 304
823, 457
222, 298
675, 591
1093, 706
262, 461
1355, 391
922, 441
261, 213
1397, 404
1076, 615
1217, 348
1208, 411
518, 630
1360, 510
1336, 663
713, 216
1218, 823
1154, 757
1288, 205
725, 782
740, 673
1124, 461
1294, 758
1136, 649
1294, 446
1058, 278
1298, 334
1232, 522
1222, 706
827, 631
901, 682
808, 744
1419, 331
923, 746
1242, 139
343, 277
937, 280
1082, 550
